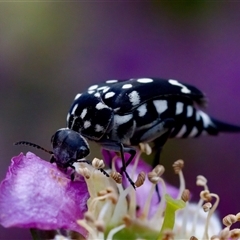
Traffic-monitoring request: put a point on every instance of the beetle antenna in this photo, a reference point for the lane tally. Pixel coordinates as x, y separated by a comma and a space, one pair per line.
32, 145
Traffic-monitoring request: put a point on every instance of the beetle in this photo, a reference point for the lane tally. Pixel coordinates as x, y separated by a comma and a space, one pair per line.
68, 147
121, 114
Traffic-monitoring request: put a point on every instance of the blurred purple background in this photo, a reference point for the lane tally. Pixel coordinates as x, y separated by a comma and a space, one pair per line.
51, 51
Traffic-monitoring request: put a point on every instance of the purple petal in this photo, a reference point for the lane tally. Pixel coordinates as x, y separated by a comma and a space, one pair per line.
36, 194
143, 191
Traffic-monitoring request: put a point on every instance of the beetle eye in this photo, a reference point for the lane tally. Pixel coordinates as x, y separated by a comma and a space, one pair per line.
82, 152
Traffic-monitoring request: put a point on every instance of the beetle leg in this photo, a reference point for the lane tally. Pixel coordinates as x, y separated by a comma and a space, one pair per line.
119, 147
52, 159
132, 153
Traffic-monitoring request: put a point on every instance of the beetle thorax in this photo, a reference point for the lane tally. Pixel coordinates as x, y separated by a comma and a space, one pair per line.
90, 116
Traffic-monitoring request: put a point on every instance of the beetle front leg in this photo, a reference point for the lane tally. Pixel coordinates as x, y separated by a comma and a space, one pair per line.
119, 147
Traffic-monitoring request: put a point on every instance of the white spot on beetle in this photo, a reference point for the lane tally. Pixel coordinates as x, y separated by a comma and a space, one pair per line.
100, 106
125, 86
198, 115
106, 89
160, 105
93, 87
142, 110
91, 92
99, 128
179, 108
74, 109
181, 132
119, 120
68, 116
109, 94
102, 88
77, 96
194, 132
87, 124
206, 119
84, 112
144, 80
134, 98
184, 89
97, 94
189, 111
111, 81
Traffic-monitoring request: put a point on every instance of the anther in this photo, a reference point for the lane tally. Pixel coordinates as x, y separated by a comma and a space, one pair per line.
178, 166
159, 170
235, 233
193, 238
102, 193
140, 179
127, 220
168, 234
207, 206
201, 181
229, 220
153, 178
145, 147
205, 195
85, 172
116, 176
113, 198
88, 216
100, 225
224, 234
185, 195
215, 237
238, 216
109, 190
98, 163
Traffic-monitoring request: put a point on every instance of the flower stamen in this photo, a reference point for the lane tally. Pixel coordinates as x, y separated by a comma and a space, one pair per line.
211, 211
177, 167
201, 181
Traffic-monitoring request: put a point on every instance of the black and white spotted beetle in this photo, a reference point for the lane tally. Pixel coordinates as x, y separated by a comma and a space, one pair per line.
120, 115
68, 147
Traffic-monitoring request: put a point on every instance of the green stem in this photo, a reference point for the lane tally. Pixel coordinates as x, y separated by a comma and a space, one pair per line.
172, 205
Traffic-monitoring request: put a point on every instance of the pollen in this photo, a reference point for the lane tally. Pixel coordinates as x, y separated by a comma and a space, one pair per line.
229, 220
205, 195
140, 179
116, 176
185, 195
207, 206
